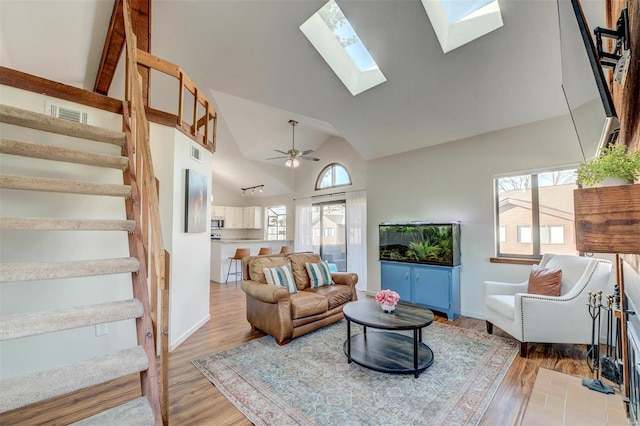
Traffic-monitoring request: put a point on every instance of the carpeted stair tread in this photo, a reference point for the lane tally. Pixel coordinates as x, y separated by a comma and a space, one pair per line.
34, 323
26, 389
137, 412
50, 271
47, 123
56, 224
55, 153
30, 183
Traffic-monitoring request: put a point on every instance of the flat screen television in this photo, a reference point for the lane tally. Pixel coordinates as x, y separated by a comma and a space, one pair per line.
583, 82
421, 242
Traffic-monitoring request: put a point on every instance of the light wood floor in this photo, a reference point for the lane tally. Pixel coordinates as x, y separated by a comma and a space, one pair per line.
195, 401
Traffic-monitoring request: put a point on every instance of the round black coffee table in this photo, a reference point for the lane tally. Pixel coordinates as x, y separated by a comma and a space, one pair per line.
386, 351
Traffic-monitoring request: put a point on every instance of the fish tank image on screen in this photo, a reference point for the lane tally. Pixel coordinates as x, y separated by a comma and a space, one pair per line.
421, 242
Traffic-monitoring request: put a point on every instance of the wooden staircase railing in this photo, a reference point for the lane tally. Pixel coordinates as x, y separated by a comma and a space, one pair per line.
142, 179
193, 129
143, 207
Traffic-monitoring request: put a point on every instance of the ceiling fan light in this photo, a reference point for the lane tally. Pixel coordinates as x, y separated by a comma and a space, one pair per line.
295, 162
289, 163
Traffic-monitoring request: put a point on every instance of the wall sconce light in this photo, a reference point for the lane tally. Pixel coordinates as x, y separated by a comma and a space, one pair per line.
252, 188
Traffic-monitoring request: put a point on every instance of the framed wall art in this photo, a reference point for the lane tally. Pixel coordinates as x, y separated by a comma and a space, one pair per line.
195, 216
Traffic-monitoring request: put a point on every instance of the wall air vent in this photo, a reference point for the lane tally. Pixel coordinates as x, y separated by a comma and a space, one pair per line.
195, 153
66, 113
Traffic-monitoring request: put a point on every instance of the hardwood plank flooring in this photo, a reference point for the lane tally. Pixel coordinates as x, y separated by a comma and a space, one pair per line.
195, 401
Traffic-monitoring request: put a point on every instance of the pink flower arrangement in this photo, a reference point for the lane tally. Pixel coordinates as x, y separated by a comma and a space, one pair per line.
387, 297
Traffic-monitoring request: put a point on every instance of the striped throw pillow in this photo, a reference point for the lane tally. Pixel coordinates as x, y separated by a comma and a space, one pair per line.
281, 275
319, 274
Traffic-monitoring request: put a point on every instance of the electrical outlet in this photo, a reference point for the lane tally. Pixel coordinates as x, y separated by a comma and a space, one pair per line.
101, 329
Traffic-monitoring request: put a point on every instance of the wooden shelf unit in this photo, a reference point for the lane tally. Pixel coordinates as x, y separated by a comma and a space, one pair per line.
608, 219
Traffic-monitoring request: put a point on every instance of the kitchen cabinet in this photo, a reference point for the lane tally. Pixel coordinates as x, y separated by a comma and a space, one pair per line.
217, 212
239, 217
233, 217
431, 286
252, 217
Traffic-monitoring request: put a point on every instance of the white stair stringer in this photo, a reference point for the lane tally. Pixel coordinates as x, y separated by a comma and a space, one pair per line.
47, 123
35, 323
65, 155
11, 272
26, 389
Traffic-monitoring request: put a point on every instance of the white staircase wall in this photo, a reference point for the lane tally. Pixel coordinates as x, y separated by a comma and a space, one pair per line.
190, 252
38, 352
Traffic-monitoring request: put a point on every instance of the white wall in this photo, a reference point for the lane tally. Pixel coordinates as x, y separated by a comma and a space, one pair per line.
190, 252
38, 352
454, 181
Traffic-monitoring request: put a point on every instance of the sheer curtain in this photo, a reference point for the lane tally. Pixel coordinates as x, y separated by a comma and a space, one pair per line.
302, 238
357, 236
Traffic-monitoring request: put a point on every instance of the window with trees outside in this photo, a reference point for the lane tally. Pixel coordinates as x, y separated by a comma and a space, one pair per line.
534, 214
277, 223
333, 175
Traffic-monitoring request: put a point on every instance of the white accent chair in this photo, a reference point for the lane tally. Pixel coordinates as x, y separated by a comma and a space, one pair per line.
548, 319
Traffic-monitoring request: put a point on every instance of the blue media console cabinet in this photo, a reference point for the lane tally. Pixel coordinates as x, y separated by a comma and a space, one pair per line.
434, 287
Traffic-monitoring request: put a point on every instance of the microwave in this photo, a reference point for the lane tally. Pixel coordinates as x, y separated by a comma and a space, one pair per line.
217, 223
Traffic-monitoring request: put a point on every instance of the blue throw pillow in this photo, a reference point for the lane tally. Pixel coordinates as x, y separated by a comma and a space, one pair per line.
319, 274
281, 275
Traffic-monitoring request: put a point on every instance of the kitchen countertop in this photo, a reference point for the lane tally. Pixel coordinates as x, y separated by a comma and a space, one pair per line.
222, 250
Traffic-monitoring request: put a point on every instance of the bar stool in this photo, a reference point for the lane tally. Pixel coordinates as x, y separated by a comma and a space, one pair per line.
237, 257
286, 249
264, 250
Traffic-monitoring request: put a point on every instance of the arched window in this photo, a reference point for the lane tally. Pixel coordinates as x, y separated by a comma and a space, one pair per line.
333, 175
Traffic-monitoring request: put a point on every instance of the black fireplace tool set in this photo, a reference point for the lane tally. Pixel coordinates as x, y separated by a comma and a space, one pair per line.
610, 364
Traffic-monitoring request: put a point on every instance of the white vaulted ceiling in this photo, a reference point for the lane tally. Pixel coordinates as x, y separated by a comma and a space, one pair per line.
261, 70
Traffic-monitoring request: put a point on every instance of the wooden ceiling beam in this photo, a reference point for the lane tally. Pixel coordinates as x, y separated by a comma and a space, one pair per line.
114, 44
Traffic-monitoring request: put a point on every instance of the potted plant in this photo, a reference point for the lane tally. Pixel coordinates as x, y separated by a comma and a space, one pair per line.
614, 162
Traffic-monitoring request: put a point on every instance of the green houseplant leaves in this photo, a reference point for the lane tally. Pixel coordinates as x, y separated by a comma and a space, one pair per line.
613, 162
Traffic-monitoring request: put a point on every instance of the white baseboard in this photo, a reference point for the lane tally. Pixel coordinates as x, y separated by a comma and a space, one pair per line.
472, 315
189, 332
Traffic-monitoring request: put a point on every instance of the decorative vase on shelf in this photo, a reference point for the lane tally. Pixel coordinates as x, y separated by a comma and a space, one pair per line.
612, 181
613, 162
388, 308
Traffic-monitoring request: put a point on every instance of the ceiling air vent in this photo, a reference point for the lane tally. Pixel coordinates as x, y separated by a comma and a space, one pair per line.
195, 153
66, 113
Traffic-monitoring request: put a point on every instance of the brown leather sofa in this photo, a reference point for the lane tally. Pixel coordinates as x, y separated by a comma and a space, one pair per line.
271, 309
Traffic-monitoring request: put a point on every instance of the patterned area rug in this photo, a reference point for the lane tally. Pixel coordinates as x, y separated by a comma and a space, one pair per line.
309, 382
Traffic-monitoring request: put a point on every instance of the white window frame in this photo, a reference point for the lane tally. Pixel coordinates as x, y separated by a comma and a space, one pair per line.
535, 214
331, 168
280, 231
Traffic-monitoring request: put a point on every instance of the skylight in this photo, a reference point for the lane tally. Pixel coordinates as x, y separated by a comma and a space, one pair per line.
458, 22
458, 10
330, 32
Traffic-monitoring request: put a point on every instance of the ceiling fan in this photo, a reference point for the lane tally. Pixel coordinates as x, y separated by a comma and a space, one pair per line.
293, 155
